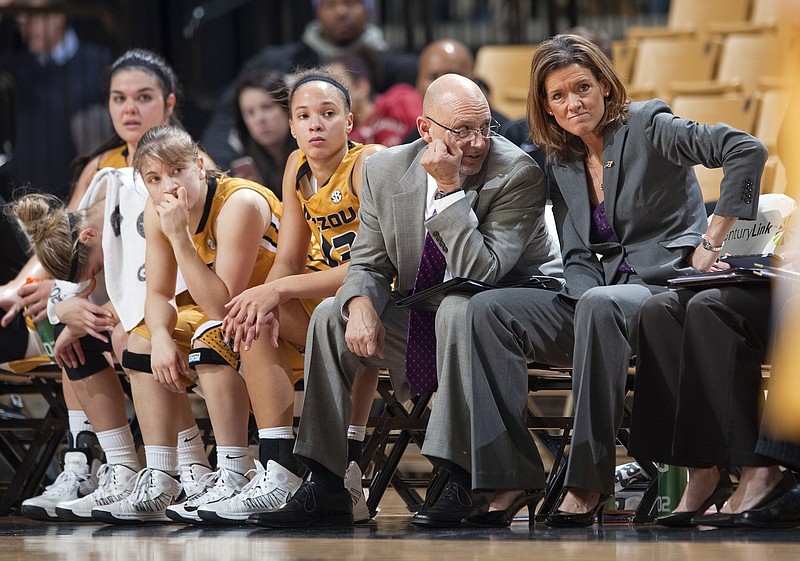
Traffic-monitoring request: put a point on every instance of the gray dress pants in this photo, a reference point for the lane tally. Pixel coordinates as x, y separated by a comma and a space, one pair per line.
512, 327
330, 370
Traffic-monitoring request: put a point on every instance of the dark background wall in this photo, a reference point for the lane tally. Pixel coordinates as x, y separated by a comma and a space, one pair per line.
208, 51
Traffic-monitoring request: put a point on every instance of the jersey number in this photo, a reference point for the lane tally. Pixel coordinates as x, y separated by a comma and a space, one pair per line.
342, 244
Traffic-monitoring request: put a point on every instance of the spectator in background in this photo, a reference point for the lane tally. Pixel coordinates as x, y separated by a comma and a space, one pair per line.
447, 56
262, 129
386, 119
57, 81
341, 28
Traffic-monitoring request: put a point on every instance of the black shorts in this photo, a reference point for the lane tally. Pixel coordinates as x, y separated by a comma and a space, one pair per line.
13, 339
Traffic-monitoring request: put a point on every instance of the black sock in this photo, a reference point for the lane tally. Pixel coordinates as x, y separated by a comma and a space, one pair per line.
354, 450
324, 477
279, 450
459, 475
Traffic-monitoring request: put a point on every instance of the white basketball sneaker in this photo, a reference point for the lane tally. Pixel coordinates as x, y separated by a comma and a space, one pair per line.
352, 482
219, 485
115, 483
153, 491
191, 478
76, 481
268, 489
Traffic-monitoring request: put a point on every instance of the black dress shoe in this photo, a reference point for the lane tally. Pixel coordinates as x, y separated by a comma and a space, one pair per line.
455, 504
310, 506
723, 520
502, 518
785, 513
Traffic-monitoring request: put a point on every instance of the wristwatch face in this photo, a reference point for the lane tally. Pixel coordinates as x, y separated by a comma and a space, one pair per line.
707, 245
441, 194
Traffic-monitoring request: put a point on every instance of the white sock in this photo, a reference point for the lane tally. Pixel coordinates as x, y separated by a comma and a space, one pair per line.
357, 432
78, 422
235, 458
164, 458
283, 433
191, 448
119, 448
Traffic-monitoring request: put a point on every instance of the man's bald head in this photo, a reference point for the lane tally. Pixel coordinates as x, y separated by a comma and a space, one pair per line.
450, 91
454, 105
442, 57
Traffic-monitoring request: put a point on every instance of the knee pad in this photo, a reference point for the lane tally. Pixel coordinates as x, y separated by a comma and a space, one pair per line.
218, 351
141, 363
95, 362
136, 361
93, 350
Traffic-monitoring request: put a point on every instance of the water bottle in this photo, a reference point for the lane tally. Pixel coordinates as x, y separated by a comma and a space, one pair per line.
45, 330
670, 487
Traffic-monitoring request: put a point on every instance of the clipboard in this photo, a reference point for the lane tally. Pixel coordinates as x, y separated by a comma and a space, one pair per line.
456, 284
751, 261
462, 285
713, 279
754, 268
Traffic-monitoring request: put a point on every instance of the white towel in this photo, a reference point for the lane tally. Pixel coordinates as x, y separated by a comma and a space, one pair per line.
123, 278
123, 244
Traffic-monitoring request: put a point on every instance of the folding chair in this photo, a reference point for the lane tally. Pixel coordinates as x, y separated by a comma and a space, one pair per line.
29, 445
392, 431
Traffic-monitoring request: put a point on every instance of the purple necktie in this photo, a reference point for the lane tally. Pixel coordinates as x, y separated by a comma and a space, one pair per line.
421, 343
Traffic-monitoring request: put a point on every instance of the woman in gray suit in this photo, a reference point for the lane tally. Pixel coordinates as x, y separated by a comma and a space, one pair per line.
630, 215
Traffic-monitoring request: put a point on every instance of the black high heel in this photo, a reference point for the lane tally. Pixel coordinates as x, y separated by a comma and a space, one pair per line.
561, 519
502, 518
728, 520
686, 519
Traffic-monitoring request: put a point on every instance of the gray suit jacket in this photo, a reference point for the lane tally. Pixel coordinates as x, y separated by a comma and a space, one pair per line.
495, 233
652, 198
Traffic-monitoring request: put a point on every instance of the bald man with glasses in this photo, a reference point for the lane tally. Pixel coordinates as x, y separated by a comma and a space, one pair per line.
477, 201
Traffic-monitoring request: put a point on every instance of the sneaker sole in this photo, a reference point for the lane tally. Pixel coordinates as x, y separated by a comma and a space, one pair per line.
110, 518
185, 518
38, 513
215, 518
72, 516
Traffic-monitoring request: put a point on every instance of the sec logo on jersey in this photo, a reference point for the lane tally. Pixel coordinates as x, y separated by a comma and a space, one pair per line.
336, 197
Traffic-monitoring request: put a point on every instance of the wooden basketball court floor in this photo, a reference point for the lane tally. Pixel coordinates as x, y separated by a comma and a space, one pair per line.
390, 536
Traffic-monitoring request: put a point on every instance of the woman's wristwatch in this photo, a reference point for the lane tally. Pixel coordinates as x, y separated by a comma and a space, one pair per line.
708, 246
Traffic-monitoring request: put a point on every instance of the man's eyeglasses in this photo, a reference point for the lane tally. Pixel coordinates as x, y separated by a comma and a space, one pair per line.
486, 131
